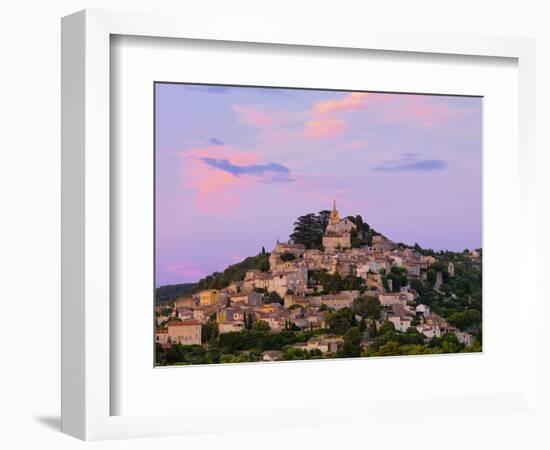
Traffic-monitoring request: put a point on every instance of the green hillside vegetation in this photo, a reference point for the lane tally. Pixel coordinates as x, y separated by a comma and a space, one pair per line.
308, 230
217, 280
166, 294
235, 272
458, 300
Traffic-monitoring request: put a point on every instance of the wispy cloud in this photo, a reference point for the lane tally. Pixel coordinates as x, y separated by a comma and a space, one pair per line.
186, 270
216, 141
349, 102
255, 116
267, 172
220, 176
410, 162
210, 89
325, 128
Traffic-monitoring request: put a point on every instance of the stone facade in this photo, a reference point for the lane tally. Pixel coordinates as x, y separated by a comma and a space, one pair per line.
338, 232
185, 333
209, 297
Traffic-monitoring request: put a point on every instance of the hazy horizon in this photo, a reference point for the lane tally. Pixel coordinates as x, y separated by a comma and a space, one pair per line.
235, 167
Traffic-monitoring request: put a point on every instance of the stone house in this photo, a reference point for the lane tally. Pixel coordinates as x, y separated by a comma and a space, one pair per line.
185, 333
185, 302
423, 309
272, 355
231, 326
368, 268
161, 336
276, 263
464, 338
401, 323
209, 297
429, 331
251, 298
381, 243
203, 313
184, 313
392, 298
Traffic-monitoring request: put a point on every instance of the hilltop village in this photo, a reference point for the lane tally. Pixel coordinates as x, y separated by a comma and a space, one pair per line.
356, 293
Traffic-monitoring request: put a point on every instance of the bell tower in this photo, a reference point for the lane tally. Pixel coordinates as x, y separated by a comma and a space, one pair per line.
334, 216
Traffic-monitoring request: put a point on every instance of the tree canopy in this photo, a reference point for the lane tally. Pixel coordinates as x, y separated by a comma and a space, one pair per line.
309, 229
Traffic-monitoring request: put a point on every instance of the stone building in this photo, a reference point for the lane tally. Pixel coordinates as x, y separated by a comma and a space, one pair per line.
276, 258
338, 232
382, 243
185, 302
250, 298
342, 299
209, 297
230, 327
185, 333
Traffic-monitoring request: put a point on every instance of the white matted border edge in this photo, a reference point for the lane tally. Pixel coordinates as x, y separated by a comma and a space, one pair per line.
85, 195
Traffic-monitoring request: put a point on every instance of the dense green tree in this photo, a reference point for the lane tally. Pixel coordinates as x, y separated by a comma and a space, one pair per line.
352, 343
209, 331
367, 307
288, 256
417, 285
340, 321
248, 320
435, 342
397, 277
373, 332
309, 229
450, 344
386, 327
273, 297
390, 348
293, 353
167, 294
261, 325
470, 319
235, 272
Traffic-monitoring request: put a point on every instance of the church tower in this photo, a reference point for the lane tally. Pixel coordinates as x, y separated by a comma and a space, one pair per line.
334, 216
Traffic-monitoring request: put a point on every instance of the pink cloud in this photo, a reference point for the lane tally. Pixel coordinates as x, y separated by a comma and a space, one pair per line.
430, 114
418, 110
215, 191
356, 144
187, 270
323, 120
328, 119
422, 110
350, 102
254, 116
325, 128
221, 177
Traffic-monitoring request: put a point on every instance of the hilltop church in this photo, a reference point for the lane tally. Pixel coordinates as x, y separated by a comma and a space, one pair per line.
338, 232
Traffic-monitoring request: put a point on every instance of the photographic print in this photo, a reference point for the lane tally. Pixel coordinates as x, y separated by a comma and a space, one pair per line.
302, 224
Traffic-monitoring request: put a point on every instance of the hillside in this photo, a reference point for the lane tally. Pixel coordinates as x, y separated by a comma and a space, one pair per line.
165, 294
308, 230
217, 280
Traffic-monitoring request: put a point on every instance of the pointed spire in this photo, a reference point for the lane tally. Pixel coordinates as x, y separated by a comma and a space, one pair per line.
334, 216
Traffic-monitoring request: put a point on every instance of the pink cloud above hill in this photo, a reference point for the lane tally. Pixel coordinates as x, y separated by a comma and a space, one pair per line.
325, 128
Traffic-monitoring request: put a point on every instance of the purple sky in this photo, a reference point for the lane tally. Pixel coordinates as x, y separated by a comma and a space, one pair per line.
235, 167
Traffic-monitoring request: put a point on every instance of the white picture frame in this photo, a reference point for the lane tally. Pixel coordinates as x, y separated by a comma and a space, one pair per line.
86, 202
